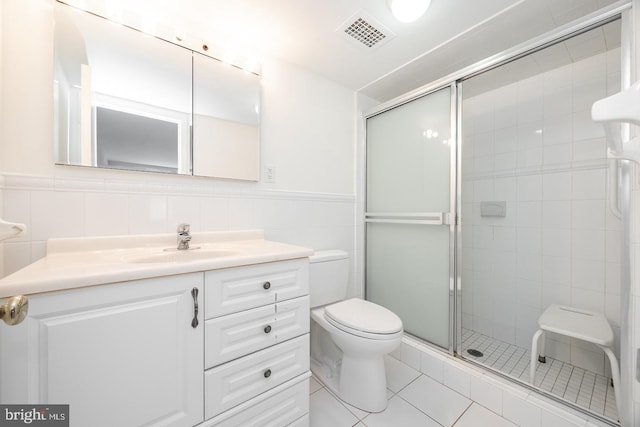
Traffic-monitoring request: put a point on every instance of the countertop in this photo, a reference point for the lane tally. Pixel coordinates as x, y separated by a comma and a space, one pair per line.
79, 262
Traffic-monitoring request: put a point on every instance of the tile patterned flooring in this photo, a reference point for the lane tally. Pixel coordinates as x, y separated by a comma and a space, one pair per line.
584, 388
415, 400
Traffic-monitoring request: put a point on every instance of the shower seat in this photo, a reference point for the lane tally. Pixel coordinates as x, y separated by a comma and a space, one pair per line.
580, 324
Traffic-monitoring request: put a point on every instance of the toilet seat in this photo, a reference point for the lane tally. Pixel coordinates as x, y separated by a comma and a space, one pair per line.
363, 318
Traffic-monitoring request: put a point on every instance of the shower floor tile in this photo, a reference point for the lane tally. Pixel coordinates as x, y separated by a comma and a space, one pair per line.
586, 389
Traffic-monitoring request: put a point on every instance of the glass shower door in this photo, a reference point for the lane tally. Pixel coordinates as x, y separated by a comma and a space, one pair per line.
410, 152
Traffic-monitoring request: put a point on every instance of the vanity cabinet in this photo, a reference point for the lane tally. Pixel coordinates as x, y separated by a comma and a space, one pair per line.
120, 355
257, 341
226, 347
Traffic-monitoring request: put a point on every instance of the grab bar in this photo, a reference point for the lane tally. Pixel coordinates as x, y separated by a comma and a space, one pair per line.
422, 218
613, 188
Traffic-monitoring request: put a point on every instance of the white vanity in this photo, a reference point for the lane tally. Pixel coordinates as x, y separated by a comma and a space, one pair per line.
128, 333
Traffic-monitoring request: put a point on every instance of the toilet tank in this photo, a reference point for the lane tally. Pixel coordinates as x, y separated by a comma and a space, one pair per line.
328, 276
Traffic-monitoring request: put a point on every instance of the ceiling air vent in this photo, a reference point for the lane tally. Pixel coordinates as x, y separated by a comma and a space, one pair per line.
365, 31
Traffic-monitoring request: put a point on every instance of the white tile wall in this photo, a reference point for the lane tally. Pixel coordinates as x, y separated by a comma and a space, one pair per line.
558, 243
52, 207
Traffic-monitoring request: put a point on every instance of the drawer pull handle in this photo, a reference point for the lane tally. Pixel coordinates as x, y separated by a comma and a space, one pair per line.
266, 285
267, 329
267, 373
194, 294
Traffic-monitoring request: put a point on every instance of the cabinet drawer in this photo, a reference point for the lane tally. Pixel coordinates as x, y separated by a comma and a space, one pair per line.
229, 337
300, 422
280, 409
292, 318
237, 289
242, 379
232, 336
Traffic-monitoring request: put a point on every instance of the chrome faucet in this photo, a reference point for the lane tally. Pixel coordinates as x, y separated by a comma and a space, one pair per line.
183, 237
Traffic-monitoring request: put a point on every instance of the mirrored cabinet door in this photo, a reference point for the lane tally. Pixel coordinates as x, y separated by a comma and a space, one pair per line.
226, 120
122, 98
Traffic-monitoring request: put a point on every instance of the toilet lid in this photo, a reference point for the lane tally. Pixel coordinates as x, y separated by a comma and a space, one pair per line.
364, 316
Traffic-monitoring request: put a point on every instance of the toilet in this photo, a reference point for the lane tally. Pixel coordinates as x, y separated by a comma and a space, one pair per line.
349, 337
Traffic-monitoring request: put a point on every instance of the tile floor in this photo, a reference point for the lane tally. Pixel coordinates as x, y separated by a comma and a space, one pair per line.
415, 400
586, 389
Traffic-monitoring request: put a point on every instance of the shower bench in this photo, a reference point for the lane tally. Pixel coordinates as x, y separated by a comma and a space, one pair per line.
580, 324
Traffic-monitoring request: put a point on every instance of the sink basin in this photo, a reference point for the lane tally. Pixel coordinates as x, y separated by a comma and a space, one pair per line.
173, 255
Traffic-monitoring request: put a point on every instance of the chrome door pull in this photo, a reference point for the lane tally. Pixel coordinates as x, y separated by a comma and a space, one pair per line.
194, 294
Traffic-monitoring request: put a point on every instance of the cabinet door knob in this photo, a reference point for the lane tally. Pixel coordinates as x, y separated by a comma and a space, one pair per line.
14, 310
267, 329
267, 373
266, 285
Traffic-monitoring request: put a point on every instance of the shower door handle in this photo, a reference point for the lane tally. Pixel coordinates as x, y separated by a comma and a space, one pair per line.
423, 218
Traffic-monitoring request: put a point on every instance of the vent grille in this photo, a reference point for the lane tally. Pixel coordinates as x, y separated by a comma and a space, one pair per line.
366, 31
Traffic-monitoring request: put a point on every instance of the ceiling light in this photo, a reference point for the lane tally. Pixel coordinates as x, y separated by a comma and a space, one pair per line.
179, 35
251, 65
115, 11
149, 24
408, 10
229, 56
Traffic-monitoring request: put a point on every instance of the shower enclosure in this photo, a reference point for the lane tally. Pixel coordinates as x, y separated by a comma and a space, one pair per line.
491, 197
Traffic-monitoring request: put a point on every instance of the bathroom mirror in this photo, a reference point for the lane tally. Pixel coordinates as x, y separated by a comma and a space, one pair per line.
226, 120
125, 100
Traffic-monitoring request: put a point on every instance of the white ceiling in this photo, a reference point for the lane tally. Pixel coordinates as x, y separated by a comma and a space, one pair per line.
451, 35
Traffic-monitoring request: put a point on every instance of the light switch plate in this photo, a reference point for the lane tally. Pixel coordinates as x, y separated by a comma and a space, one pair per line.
270, 173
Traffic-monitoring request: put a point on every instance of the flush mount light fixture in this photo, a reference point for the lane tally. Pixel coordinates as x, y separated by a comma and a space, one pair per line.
408, 10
